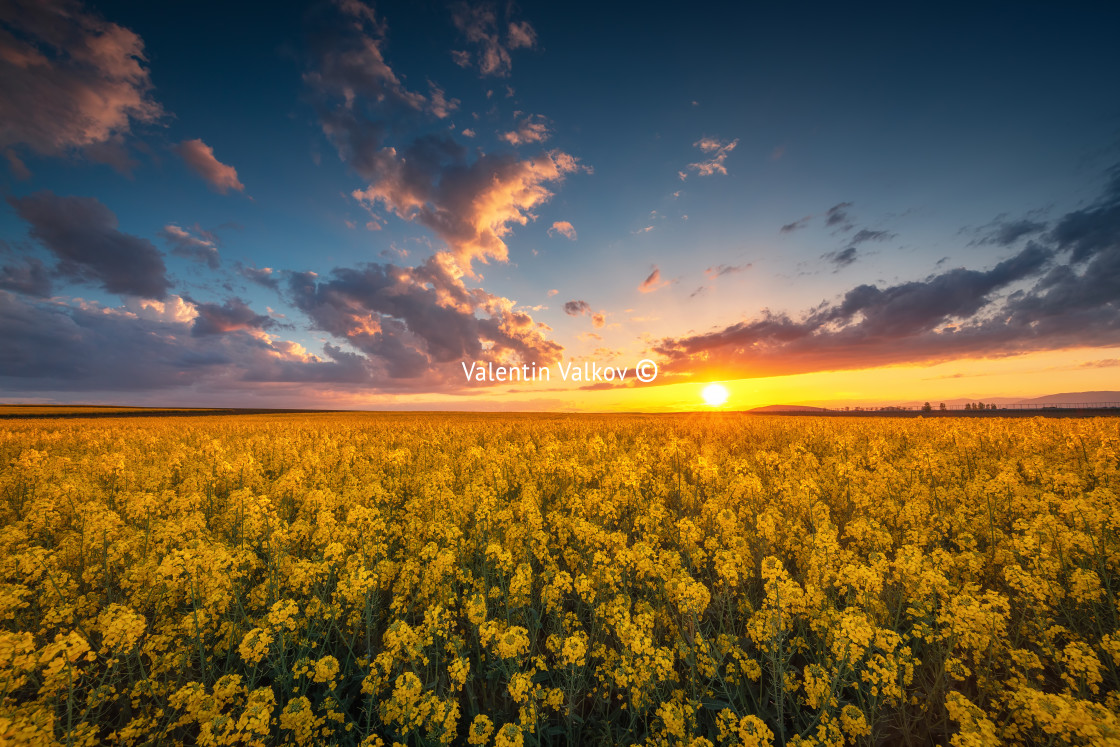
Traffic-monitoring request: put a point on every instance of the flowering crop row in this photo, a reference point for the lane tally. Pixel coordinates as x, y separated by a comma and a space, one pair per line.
506, 580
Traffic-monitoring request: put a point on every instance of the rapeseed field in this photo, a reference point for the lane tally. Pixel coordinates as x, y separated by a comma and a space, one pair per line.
514, 580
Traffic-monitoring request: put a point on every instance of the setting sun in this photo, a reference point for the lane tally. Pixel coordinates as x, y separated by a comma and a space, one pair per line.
714, 395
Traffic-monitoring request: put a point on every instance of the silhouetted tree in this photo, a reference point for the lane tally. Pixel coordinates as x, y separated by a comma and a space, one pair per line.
927, 407
942, 406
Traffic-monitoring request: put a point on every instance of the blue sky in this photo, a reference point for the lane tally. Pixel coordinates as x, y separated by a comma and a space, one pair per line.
750, 165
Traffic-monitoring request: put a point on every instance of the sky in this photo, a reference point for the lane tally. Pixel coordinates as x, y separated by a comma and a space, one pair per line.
368, 205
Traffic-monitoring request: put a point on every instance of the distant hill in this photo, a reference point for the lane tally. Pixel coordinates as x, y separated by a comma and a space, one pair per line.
1071, 398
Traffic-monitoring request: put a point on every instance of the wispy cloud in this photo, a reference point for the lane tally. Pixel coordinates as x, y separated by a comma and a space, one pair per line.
202, 248
652, 282
491, 40
716, 151
796, 225
531, 129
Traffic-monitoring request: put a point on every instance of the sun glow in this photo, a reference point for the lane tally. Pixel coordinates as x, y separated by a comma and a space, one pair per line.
714, 395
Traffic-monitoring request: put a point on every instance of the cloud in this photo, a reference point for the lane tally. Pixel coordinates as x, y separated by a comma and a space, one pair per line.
579, 308
575, 308
531, 129
563, 228
439, 104
865, 235
73, 82
232, 316
416, 323
262, 276
1061, 290
837, 216
82, 233
847, 256
81, 346
357, 95
200, 158
202, 249
841, 258
721, 270
717, 150
554, 292
468, 132
471, 205
652, 282
27, 276
1006, 233
935, 319
479, 24
796, 225
16, 166
522, 35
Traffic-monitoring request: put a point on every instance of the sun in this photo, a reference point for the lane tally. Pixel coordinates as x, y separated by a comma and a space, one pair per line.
714, 395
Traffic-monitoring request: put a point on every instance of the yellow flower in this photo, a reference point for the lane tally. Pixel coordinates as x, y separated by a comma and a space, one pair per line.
481, 729
254, 645
325, 670
509, 736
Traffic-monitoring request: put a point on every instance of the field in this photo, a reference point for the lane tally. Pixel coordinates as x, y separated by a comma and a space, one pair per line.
507, 579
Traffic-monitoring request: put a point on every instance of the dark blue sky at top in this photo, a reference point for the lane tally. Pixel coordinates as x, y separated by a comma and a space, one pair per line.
931, 121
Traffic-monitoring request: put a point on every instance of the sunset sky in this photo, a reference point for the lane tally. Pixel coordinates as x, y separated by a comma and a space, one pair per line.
339, 204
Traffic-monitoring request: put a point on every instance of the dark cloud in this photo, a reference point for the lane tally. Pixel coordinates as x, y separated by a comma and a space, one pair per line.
954, 313
27, 275
82, 233
232, 316
201, 248
54, 347
864, 235
262, 276
575, 308
842, 258
1086, 233
356, 93
796, 225
721, 270
72, 81
849, 255
1006, 233
413, 321
837, 216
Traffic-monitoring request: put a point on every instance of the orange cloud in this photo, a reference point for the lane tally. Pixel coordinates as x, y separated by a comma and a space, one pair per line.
718, 150
564, 228
652, 282
200, 158
72, 81
471, 206
531, 129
